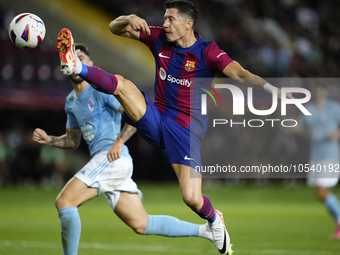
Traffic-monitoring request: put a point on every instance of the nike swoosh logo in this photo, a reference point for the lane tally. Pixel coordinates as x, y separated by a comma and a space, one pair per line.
187, 158
224, 248
221, 54
162, 56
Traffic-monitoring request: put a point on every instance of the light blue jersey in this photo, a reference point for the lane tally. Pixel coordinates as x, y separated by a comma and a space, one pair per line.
324, 120
96, 114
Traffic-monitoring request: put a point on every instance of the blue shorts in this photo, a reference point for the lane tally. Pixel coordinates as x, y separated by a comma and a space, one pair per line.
181, 146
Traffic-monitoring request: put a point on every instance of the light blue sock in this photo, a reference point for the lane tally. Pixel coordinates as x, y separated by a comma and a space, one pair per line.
70, 229
333, 206
164, 225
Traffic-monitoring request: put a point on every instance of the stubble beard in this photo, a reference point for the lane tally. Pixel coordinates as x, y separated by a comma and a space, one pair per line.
76, 79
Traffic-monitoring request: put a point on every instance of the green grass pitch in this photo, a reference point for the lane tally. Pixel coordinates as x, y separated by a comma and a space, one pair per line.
273, 220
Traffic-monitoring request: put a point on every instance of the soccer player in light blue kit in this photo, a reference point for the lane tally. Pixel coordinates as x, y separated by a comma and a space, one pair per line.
323, 131
97, 117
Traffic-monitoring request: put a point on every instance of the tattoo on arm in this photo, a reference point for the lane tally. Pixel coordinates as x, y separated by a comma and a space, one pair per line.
70, 140
126, 132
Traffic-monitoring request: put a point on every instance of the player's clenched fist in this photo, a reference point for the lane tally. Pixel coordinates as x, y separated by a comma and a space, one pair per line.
40, 136
139, 24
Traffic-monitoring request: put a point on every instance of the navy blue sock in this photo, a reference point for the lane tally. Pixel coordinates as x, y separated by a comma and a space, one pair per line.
99, 79
207, 211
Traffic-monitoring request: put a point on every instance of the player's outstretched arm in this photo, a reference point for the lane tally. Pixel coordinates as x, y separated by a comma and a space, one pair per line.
129, 26
70, 140
235, 71
116, 148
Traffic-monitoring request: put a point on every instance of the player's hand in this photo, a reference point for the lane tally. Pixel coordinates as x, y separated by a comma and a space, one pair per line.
139, 24
115, 151
40, 136
289, 95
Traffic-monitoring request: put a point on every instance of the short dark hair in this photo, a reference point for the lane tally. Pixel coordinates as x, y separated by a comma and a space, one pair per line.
184, 8
82, 47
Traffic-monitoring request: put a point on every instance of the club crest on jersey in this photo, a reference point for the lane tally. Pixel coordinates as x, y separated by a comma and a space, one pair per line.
190, 65
90, 105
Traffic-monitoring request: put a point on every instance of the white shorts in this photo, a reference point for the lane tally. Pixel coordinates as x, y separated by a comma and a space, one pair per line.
109, 177
323, 176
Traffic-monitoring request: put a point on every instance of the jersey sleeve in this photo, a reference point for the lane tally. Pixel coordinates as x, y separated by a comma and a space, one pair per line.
215, 58
71, 121
110, 100
156, 32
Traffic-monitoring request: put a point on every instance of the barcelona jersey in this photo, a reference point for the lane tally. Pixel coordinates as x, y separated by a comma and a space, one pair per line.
178, 71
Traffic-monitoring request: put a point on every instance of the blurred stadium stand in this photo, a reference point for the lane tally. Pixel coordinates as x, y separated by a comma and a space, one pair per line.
284, 38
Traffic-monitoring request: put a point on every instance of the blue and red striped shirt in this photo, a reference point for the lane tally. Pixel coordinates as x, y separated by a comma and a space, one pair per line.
177, 69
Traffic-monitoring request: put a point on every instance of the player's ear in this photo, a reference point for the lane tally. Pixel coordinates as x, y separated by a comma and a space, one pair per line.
90, 63
189, 24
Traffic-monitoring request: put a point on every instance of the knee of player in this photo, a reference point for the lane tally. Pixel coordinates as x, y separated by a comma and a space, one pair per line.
58, 203
121, 80
191, 200
61, 202
123, 84
321, 195
138, 227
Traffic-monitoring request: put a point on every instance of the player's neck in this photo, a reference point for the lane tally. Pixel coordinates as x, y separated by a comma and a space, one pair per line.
187, 40
80, 87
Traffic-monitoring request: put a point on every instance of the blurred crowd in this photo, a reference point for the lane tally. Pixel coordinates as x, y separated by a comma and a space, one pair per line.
283, 38
24, 163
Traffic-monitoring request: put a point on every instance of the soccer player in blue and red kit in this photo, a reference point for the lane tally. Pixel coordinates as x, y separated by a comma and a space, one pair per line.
97, 117
173, 121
